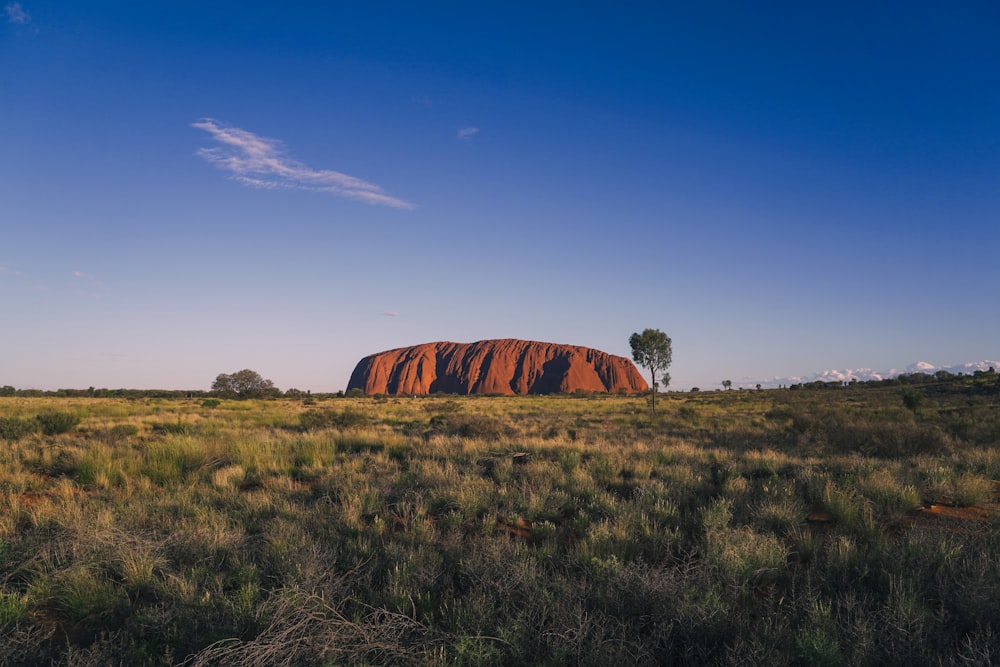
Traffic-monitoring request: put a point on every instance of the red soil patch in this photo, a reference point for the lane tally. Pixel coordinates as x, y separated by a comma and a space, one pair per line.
944, 514
519, 527
818, 517
47, 490
960, 513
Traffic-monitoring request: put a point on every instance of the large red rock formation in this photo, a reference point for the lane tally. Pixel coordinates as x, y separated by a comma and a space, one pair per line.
507, 366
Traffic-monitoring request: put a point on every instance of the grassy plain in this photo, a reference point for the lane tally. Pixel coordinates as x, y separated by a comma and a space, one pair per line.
813, 527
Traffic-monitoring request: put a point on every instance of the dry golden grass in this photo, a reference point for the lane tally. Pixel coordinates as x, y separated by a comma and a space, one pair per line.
488, 530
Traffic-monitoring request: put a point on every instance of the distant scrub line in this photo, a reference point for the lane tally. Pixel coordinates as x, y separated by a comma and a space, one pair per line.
987, 381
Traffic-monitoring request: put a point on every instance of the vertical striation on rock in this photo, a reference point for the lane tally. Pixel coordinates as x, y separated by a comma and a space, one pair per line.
505, 366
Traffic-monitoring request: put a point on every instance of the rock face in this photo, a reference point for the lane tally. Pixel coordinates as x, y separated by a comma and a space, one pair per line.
507, 366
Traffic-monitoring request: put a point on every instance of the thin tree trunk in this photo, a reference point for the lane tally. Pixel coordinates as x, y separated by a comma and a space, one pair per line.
652, 376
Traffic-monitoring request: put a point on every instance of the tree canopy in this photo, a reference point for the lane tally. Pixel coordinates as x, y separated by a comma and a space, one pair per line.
243, 384
652, 350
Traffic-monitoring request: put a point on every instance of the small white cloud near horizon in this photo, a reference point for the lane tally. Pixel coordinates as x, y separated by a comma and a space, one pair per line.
260, 162
391, 313
93, 284
468, 133
15, 14
869, 374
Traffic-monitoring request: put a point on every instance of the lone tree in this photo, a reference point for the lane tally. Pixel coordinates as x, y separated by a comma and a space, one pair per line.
243, 384
651, 349
727, 384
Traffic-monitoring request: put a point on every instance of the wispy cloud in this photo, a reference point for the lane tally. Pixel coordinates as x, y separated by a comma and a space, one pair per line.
15, 14
468, 133
391, 313
261, 162
95, 288
6, 270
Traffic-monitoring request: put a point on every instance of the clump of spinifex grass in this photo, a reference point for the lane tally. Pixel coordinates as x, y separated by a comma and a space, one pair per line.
738, 527
970, 490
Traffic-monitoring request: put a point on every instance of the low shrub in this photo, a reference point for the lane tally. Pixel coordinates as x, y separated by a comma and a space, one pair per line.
54, 423
970, 490
480, 427
353, 419
316, 419
123, 431
313, 420
843, 505
438, 423
13, 428
175, 428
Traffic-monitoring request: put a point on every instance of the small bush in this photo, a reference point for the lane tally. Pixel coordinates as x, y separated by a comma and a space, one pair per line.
843, 505
211, 403
353, 419
479, 426
971, 490
12, 428
312, 420
175, 428
912, 400
889, 494
687, 412
54, 423
123, 431
438, 423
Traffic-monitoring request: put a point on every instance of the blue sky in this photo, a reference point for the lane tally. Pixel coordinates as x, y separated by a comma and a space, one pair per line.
192, 188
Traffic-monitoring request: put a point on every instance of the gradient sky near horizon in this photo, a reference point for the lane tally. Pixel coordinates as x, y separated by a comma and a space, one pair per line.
190, 188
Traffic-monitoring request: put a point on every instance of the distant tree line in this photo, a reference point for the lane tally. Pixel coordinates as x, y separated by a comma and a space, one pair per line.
239, 385
987, 381
136, 394
92, 392
979, 381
